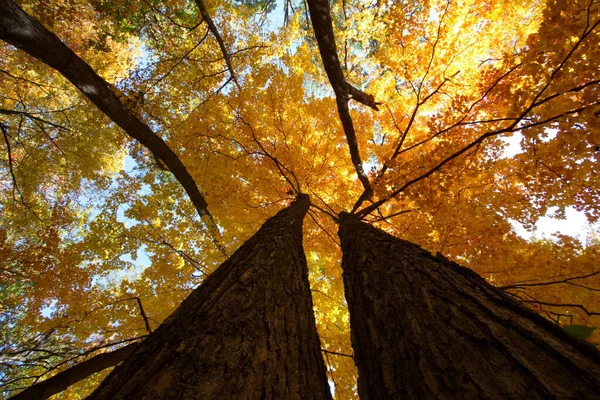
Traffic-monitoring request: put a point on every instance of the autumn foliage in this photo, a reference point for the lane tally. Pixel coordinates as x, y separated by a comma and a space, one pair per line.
489, 117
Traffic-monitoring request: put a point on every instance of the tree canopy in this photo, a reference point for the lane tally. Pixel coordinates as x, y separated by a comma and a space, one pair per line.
405, 116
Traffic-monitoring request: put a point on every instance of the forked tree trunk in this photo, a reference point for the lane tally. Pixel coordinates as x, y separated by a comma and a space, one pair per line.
248, 332
426, 328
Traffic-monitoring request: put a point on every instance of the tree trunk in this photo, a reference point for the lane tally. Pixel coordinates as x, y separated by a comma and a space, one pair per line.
248, 332
424, 327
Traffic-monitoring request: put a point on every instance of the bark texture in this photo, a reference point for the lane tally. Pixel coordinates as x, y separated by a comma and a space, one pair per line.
426, 328
68, 377
248, 332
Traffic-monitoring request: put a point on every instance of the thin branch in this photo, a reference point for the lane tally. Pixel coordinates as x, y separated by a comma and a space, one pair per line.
199, 267
512, 128
10, 271
203, 102
328, 296
213, 28
323, 229
460, 121
34, 118
535, 102
70, 376
434, 46
578, 306
572, 90
382, 218
10, 160
234, 53
324, 211
337, 354
554, 172
330, 370
177, 63
567, 281
6, 136
143, 314
69, 360
158, 11
321, 199
278, 164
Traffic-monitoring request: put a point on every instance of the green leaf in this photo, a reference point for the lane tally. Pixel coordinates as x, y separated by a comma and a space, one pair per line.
580, 331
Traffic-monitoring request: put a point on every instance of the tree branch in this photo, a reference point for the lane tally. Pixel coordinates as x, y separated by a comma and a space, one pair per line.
33, 118
310, 214
68, 377
10, 160
320, 15
12, 172
566, 280
579, 306
22, 31
385, 218
512, 128
213, 28
337, 354
143, 314
278, 164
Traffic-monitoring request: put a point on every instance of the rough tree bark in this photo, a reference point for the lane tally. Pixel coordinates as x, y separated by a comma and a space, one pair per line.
248, 332
427, 328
